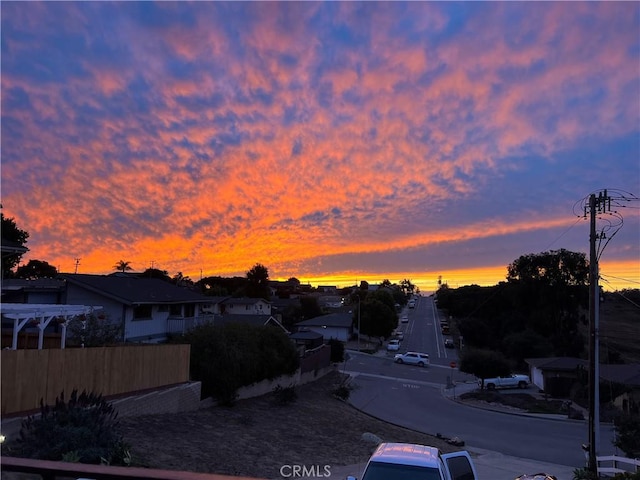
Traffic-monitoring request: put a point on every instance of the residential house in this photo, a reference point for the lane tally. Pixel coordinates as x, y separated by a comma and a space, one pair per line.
556, 375
215, 305
629, 376
329, 289
39, 290
306, 339
11, 248
260, 320
330, 302
335, 325
147, 308
245, 306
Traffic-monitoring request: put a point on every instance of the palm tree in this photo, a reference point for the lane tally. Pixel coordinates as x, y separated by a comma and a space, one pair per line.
122, 266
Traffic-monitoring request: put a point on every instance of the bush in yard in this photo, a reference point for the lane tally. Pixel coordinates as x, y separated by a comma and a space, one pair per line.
627, 476
285, 395
83, 429
342, 390
627, 435
227, 357
93, 331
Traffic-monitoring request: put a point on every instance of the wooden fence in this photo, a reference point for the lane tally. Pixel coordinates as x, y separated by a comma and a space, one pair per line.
316, 359
29, 339
31, 375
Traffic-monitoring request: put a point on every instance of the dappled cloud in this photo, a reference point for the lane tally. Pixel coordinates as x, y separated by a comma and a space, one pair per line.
208, 136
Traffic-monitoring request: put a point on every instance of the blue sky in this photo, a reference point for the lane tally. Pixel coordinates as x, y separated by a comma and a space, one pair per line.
331, 141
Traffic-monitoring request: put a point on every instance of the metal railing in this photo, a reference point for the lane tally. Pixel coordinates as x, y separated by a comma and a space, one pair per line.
614, 464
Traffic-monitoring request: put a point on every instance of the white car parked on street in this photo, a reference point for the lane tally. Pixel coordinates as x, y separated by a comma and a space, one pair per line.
393, 345
510, 381
413, 358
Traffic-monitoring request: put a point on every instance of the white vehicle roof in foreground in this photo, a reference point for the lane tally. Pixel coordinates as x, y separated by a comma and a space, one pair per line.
406, 454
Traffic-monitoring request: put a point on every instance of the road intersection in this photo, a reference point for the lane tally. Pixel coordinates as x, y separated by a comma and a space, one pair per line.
424, 399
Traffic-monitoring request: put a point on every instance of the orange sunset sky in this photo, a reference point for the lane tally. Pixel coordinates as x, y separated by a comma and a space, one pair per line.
330, 141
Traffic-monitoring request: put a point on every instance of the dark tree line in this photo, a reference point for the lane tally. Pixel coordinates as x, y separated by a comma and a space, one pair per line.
536, 312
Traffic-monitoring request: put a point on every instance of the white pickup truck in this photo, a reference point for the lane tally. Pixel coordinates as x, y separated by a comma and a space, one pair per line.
510, 381
407, 460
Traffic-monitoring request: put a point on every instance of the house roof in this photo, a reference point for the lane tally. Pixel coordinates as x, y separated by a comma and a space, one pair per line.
282, 303
243, 300
133, 290
10, 247
557, 363
628, 374
32, 284
306, 335
340, 320
258, 320
216, 299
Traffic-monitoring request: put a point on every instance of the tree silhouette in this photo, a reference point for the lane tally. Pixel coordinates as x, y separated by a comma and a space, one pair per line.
36, 269
258, 282
13, 237
123, 266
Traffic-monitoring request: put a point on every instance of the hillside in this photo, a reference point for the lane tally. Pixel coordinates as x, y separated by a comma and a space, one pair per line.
620, 327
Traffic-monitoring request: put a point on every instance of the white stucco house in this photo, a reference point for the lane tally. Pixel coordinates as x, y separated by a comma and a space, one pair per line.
245, 306
335, 325
147, 308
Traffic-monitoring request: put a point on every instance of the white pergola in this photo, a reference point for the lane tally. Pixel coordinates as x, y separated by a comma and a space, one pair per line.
42, 315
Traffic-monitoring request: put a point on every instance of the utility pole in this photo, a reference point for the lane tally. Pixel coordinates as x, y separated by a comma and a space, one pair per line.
599, 206
77, 263
593, 342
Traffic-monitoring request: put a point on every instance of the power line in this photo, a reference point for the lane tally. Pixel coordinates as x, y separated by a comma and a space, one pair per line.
627, 299
565, 232
604, 277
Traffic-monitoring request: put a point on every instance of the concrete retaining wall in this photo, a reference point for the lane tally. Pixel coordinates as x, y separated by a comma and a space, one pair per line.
267, 386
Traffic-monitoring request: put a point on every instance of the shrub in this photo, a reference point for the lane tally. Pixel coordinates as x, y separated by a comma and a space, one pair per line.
93, 331
584, 474
285, 395
83, 429
627, 439
627, 476
343, 389
227, 357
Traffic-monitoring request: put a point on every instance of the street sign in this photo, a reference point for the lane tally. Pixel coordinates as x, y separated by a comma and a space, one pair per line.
453, 365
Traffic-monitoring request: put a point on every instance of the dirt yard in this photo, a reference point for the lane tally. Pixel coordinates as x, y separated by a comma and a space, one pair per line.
256, 437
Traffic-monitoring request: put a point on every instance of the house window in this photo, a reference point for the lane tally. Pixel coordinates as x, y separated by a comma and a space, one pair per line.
142, 312
175, 310
189, 311
163, 308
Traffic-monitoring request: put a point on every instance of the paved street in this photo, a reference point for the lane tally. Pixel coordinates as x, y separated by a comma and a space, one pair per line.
507, 443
